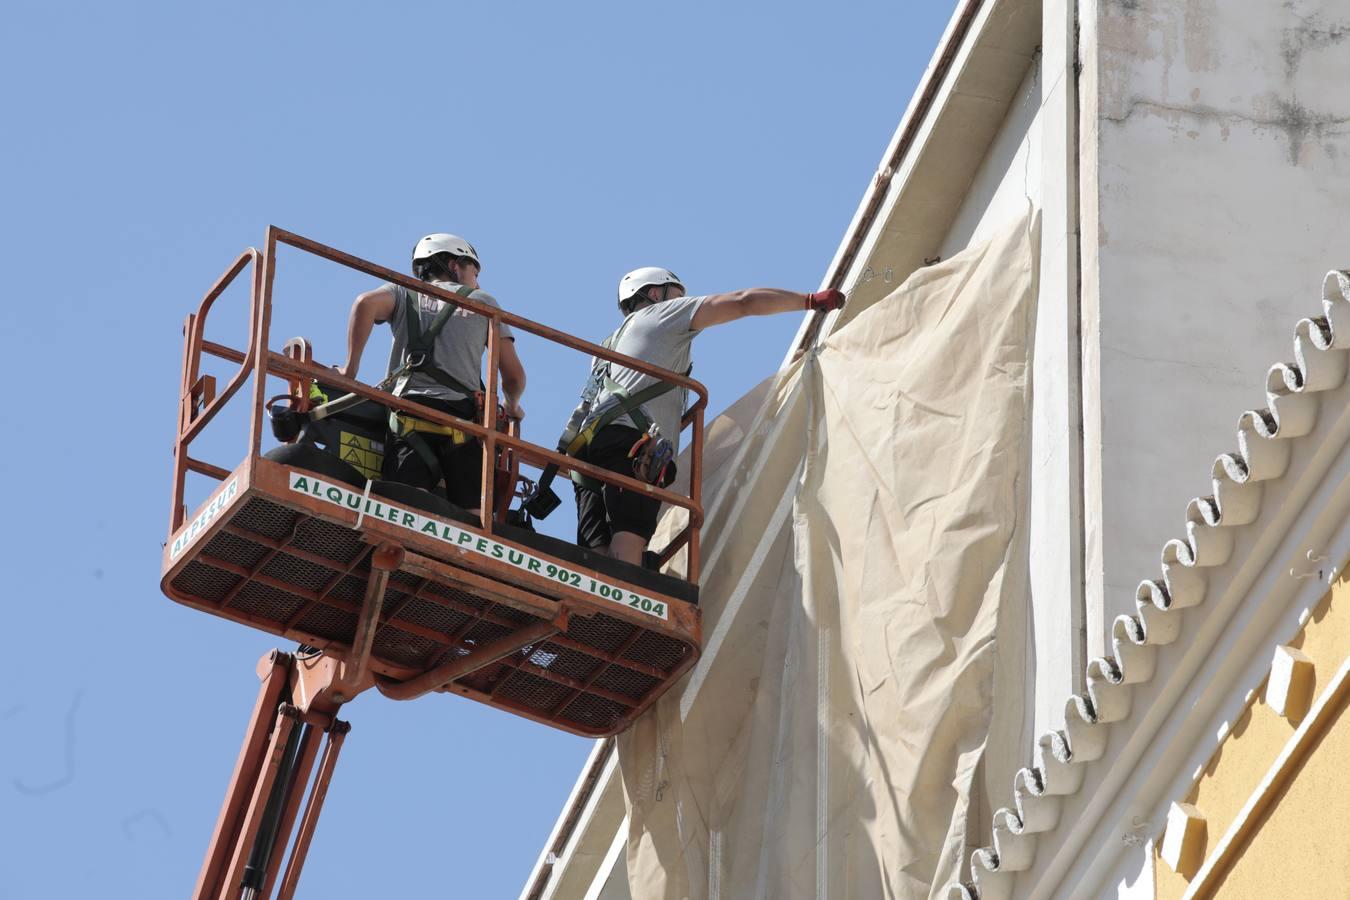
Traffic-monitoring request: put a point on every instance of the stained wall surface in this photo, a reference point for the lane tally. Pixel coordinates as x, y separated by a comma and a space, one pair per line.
1220, 138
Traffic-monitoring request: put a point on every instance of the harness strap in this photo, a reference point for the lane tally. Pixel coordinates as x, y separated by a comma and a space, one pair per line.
627, 405
419, 357
405, 424
418, 340
599, 378
426, 454
581, 430
335, 407
635, 411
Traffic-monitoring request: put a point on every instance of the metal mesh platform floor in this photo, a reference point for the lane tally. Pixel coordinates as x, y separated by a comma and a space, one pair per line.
270, 562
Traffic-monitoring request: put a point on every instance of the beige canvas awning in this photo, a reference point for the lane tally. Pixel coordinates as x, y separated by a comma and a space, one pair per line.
865, 604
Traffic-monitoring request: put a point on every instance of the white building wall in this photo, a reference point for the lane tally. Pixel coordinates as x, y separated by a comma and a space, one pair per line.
1010, 176
1212, 167
1220, 137
1056, 514
1033, 160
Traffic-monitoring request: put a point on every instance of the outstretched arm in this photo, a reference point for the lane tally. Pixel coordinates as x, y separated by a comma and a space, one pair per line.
722, 308
370, 308
513, 377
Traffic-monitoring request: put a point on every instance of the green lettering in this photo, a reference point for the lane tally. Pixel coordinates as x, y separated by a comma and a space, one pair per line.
409, 520
481, 546
497, 551
464, 538
429, 527
532, 565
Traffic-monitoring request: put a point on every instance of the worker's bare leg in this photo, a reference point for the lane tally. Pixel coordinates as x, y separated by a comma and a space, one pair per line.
627, 546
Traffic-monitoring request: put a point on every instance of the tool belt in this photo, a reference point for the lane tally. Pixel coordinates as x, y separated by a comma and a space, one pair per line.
543, 500
419, 358
414, 432
402, 424
289, 422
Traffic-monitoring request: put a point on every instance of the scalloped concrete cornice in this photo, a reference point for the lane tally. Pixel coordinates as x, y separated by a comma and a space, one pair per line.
1062, 758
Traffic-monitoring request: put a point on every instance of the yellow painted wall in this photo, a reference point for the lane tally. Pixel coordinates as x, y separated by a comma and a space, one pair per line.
1303, 844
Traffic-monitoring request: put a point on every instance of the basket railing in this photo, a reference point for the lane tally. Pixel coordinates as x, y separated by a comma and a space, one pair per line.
199, 402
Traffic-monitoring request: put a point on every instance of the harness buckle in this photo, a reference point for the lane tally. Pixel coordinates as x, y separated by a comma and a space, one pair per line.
414, 361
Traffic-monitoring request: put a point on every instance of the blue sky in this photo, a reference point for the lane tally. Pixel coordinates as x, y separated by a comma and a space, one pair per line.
147, 144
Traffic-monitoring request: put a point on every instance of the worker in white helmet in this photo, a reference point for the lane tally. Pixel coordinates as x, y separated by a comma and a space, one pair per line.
632, 424
437, 360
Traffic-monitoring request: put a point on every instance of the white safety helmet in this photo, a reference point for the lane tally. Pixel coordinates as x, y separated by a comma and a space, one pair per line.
453, 244
636, 280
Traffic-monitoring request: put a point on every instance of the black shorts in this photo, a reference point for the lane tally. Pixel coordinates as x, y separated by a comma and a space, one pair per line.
461, 464
601, 514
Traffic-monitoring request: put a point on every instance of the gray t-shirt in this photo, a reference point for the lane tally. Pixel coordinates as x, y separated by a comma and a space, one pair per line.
459, 346
659, 334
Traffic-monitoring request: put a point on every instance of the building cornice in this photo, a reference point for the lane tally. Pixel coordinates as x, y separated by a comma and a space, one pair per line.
1232, 535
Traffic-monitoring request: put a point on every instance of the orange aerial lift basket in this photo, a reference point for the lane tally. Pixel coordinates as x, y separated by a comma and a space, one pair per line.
391, 587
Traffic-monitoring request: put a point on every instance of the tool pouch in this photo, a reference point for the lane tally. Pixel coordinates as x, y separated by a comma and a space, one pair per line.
541, 502
653, 458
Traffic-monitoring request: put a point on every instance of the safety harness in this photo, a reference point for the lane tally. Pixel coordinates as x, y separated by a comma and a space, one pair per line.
419, 358
585, 424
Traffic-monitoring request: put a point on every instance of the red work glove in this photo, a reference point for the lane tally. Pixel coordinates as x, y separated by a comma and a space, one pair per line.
824, 301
